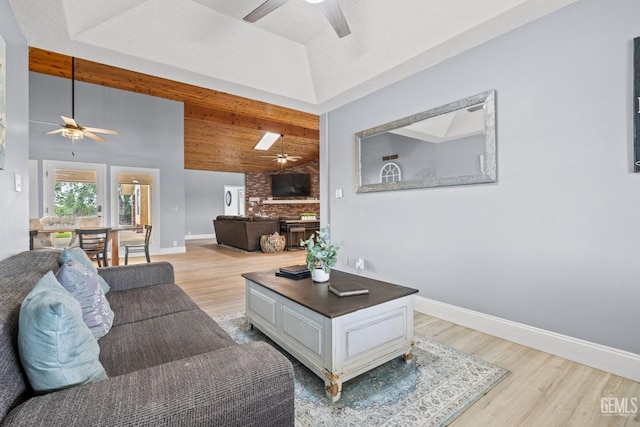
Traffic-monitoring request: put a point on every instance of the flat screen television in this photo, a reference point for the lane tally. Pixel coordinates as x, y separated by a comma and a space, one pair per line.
291, 185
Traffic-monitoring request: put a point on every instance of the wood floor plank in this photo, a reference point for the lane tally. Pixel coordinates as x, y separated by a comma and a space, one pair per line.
542, 389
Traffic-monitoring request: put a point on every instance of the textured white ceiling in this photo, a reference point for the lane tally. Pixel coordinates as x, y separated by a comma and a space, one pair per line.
291, 57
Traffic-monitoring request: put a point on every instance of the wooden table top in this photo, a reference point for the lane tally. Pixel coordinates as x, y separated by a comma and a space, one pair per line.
93, 227
317, 297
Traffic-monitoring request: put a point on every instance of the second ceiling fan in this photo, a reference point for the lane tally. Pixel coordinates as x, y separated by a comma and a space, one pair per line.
282, 157
330, 8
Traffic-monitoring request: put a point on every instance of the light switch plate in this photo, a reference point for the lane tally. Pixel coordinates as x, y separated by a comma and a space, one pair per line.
17, 181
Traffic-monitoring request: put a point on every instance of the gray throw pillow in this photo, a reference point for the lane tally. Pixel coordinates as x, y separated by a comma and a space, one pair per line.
78, 255
83, 285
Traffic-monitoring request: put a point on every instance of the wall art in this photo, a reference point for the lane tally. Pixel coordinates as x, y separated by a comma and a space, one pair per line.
3, 102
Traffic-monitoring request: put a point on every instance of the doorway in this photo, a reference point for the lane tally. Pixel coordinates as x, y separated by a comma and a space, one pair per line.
134, 194
234, 200
135, 201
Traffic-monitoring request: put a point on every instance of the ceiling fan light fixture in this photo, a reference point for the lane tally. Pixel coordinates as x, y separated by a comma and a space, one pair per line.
72, 133
267, 140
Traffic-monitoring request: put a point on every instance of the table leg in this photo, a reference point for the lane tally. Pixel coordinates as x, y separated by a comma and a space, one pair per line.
115, 247
408, 356
333, 386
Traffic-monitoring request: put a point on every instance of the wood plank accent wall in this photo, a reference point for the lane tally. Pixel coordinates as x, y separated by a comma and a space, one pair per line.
220, 130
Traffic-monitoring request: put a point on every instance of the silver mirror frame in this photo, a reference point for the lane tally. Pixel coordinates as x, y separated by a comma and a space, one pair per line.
489, 169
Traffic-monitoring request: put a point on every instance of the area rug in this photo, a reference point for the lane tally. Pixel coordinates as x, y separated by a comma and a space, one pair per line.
432, 390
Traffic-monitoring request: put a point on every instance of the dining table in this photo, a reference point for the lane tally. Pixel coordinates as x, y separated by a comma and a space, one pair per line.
114, 237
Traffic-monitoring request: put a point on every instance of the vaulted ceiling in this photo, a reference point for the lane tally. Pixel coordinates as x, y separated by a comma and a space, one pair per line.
289, 62
291, 57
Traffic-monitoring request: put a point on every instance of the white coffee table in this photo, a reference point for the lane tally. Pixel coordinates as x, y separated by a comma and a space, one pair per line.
336, 338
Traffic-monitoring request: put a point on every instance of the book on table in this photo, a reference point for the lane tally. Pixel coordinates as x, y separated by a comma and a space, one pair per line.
295, 272
348, 289
295, 269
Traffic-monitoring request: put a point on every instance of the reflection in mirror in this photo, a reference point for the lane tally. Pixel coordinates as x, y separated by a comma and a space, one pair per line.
453, 144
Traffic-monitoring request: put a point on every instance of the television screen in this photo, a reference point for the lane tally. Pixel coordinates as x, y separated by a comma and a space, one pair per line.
291, 185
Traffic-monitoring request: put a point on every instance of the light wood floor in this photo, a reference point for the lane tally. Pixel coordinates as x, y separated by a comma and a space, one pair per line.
542, 390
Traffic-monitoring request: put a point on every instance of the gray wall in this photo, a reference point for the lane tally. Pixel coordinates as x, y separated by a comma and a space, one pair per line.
413, 155
420, 159
552, 244
460, 157
151, 136
204, 193
14, 206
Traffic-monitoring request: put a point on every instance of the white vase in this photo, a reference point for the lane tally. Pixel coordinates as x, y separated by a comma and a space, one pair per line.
319, 275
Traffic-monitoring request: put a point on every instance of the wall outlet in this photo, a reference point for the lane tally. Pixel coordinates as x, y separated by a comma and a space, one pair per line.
359, 264
175, 243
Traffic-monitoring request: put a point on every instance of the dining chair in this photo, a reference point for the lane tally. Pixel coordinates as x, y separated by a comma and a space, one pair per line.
139, 247
32, 235
94, 242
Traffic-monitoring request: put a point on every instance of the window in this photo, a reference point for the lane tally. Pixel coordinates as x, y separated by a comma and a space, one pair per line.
73, 189
75, 198
390, 172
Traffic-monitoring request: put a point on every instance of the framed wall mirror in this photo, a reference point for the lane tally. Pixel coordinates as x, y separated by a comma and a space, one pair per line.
454, 144
636, 105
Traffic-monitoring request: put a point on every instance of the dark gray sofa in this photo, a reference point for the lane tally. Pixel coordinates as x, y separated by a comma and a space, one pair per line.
168, 362
244, 232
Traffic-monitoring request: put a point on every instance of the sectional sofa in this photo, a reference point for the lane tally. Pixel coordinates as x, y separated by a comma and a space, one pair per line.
244, 232
167, 363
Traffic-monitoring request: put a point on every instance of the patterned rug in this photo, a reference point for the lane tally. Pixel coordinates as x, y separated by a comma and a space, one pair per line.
432, 390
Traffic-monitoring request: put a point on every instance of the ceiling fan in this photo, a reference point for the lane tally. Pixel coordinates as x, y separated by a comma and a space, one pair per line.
283, 158
71, 129
330, 8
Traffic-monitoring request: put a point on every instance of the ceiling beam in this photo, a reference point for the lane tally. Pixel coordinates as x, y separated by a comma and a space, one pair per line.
59, 65
220, 129
197, 112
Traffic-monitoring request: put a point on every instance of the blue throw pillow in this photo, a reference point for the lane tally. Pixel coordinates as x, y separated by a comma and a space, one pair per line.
78, 255
83, 285
56, 348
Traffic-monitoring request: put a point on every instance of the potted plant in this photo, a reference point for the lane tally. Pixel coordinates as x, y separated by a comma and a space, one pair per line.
321, 254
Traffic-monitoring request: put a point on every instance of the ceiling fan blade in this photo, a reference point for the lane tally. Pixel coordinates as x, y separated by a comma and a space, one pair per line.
99, 130
264, 9
51, 132
93, 136
331, 9
44, 123
70, 122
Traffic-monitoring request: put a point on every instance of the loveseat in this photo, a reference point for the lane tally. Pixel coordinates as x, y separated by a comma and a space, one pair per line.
244, 232
168, 363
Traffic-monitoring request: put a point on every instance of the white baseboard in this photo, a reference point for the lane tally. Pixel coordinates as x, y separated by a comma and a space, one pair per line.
171, 250
609, 359
199, 236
